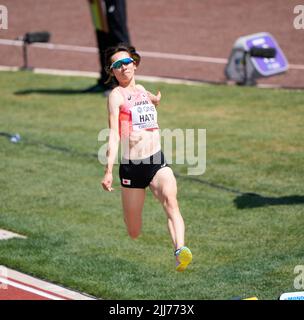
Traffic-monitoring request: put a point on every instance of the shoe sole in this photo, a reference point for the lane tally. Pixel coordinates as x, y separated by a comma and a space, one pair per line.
185, 257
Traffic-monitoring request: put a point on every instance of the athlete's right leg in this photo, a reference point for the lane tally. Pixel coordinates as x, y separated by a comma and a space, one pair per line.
133, 202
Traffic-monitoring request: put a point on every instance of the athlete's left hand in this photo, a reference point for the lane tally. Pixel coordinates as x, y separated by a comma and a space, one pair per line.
154, 98
157, 98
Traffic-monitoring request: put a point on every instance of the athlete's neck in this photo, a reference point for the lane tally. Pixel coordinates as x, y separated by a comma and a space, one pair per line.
130, 85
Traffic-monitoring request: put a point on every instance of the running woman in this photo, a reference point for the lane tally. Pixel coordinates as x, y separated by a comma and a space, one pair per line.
132, 118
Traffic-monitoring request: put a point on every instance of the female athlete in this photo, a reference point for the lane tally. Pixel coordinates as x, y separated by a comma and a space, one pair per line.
132, 119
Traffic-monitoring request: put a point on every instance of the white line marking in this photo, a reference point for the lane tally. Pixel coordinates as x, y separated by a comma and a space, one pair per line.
184, 57
65, 47
148, 54
32, 290
9, 42
42, 285
296, 66
66, 72
96, 75
60, 72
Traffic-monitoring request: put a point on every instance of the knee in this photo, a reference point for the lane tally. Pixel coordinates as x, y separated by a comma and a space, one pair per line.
170, 202
133, 230
133, 233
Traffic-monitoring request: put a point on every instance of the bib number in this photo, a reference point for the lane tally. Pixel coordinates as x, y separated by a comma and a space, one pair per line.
144, 117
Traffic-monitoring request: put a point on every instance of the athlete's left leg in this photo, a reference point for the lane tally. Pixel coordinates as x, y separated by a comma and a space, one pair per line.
163, 186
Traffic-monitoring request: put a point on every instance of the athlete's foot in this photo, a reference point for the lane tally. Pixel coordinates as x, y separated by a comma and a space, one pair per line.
183, 258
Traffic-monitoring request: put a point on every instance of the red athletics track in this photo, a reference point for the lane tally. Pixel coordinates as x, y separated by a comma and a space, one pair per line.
18, 286
177, 39
16, 290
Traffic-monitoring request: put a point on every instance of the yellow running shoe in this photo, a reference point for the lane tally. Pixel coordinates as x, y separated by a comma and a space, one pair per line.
183, 258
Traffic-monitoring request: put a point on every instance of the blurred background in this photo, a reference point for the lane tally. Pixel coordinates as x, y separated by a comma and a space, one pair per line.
177, 39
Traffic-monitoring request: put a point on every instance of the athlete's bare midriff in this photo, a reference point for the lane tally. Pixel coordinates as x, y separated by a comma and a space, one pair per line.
141, 144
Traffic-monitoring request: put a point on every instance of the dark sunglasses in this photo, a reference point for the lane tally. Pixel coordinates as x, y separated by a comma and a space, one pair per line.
118, 63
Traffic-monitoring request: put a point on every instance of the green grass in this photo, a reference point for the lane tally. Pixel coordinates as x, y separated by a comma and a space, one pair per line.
242, 244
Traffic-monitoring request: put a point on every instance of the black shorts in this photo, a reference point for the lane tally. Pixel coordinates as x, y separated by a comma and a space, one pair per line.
139, 173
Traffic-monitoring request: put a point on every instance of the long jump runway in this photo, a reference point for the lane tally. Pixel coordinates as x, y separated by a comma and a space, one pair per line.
15, 285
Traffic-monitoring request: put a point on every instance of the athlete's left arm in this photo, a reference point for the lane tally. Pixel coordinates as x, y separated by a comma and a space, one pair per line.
154, 98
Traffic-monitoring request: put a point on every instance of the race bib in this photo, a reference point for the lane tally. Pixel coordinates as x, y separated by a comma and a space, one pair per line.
144, 116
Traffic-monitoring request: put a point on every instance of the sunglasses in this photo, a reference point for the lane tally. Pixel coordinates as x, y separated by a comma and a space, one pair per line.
118, 63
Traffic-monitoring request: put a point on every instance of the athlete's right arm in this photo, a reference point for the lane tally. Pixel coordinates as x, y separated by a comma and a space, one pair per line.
115, 100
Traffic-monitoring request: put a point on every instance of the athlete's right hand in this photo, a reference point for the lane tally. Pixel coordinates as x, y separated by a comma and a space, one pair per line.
107, 181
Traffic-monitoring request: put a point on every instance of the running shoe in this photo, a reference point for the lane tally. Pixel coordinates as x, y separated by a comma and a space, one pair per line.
183, 258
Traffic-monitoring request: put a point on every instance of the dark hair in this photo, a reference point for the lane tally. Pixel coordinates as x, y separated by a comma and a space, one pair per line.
112, 50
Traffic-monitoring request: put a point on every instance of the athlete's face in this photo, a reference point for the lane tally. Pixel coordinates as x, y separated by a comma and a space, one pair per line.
124, 71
